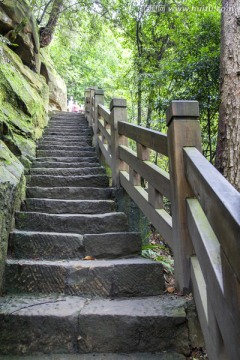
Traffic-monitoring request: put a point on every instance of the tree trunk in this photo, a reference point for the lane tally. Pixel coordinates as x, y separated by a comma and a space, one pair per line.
228, 147
139, 96
150, 108
46, 33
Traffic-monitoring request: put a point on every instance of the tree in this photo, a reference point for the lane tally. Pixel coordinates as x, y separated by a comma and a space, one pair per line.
46, 33
228, 147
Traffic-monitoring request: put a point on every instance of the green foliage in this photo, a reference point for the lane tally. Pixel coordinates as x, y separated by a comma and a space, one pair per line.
160, 253
147, 52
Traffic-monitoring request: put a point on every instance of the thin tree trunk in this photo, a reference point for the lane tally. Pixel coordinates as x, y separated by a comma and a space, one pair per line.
228, 147
209, 130
46, 33
150, 108
139, 102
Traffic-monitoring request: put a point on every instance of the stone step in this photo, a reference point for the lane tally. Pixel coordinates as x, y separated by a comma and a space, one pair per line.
56, 246
71, 223
69, 122
83, 142
70, 125
66, 159
82, 181
52, 164
68, 171
94, 356
77, 127
66, 133
65, 147
63, 153
78, 193
104, 278
57, 206
67, 127
86, 142
80, 138
70, 324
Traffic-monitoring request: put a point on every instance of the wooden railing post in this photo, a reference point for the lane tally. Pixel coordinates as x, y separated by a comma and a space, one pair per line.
86, 106
91, 112
183, 130
98, 100
118, 108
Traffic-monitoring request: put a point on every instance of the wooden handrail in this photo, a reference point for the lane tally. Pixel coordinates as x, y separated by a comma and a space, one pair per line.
204, 229
150, 138
219, 200
157, 177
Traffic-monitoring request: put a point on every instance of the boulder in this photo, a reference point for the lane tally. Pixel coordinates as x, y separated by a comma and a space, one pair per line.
57, 86
12, 188
19, 26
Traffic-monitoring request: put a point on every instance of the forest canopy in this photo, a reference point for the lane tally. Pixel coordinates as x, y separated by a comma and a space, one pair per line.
146, 51
152, 52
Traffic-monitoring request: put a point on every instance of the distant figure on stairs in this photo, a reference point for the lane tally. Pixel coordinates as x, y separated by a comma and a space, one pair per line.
76, 107
70, 104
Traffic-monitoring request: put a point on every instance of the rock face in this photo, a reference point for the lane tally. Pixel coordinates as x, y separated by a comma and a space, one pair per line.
57, 87
23, 105
11, 193
20, 28
23, 116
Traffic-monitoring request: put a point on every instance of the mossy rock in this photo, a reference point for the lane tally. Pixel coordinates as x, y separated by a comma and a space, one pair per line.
19, 26
12, 190
24, 97
57, 86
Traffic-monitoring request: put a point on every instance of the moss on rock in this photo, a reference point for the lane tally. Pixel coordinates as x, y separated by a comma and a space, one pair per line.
24, 95
12, 190
24, 98
57, 86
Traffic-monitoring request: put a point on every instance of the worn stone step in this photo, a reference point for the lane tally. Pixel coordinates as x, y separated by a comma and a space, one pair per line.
86, 142
61, 127
66, 133
45, 245
63, 146
55, 164
67, 159
59, 153
55, 246
81, 121
82, 181
70, 324
71, 223
68, 121
69, 138
57, 206
68, 171
82, 142
78, 193
105, 278
72, 128
77, 126
94, 356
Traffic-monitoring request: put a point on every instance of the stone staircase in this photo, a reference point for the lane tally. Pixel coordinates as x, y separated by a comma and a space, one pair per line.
57, 301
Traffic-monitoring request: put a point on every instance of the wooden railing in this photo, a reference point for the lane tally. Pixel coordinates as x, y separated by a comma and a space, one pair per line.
204, 229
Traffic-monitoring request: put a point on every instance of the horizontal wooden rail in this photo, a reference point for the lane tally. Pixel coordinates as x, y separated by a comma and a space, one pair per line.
151, 139
104, 113
104, 131
157, 177
160, 219
220, 201
204, 229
